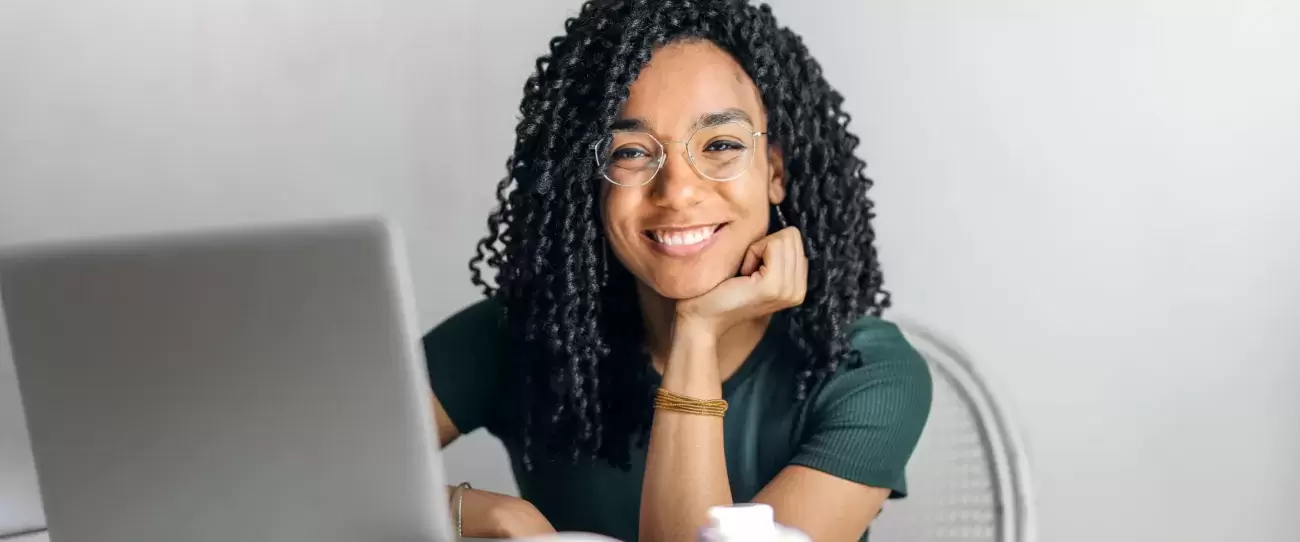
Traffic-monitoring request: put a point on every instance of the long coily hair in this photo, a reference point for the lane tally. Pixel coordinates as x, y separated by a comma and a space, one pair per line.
570, 309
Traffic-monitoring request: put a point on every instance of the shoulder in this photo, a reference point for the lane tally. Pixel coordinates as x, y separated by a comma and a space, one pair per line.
889, 370
866, 419
881, 339
466, 355
479, 318
474, 335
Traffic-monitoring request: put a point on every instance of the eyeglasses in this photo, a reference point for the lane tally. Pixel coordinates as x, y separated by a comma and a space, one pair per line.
719, 153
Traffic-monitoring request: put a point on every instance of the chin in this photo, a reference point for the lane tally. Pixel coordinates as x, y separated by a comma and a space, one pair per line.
687, 288
678, 292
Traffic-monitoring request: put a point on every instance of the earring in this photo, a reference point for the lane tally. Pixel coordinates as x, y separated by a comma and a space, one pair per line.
780, 217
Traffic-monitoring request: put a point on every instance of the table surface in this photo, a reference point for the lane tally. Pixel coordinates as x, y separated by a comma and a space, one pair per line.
43, 537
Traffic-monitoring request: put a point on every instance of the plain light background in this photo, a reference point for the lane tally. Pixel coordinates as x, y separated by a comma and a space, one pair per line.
1094, 199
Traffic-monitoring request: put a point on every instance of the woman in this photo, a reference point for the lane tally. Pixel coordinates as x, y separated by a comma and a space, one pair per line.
684, 223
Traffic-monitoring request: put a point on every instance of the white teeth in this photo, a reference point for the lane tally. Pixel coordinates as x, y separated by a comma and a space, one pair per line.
688, 237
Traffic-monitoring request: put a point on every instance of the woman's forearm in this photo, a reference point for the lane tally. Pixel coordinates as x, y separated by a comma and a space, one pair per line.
485, 514
686, 467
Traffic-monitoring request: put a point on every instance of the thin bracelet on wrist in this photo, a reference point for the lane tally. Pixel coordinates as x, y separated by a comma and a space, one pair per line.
458, 495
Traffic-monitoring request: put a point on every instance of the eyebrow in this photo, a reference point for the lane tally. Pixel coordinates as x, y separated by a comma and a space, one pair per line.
707, 120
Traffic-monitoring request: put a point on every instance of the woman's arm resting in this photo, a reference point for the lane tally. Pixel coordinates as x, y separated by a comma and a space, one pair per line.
826, 508
686, 465
485, 514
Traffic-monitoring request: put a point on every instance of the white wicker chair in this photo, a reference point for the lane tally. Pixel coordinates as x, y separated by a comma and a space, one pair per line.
968, 480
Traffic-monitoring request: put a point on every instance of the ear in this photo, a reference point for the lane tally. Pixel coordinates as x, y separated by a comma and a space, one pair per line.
776, 175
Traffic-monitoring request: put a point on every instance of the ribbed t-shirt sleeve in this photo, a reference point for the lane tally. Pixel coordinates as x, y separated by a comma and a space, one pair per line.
464, 355
865, 421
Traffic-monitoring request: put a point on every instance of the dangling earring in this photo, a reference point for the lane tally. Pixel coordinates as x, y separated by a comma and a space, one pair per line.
780, 217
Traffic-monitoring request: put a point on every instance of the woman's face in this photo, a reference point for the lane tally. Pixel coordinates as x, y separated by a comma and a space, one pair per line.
683, 233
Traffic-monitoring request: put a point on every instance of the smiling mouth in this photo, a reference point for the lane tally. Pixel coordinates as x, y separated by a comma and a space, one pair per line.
680, 238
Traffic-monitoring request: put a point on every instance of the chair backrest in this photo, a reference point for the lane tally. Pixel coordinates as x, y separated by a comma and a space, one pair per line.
968, 479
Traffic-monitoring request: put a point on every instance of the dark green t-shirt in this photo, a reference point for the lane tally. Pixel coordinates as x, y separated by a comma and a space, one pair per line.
861, 424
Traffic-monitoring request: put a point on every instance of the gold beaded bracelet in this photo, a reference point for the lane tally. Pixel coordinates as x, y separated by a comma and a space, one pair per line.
673, 402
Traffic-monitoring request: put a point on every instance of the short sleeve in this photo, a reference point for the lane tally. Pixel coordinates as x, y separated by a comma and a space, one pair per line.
464, 355
865, 421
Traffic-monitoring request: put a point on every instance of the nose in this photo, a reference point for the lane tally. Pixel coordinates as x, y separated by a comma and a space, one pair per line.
678, 186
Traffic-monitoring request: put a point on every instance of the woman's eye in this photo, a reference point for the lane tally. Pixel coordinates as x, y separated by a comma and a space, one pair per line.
629, 153
724, 145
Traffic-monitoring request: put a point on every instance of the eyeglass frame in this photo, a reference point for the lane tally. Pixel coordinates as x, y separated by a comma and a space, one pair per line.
690, 157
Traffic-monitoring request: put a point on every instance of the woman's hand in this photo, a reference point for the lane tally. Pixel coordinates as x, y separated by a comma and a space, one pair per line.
774, 276
491, 515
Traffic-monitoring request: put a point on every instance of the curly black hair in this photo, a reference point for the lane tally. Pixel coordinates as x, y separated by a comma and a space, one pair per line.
570, 308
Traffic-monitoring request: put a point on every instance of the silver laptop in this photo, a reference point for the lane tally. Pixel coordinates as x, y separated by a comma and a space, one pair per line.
265, 384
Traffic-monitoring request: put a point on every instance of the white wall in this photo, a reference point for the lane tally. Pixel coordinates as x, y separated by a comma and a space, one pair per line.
1097, 200
1090, 196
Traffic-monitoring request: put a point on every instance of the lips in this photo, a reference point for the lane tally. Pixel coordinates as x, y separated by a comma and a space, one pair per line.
683, 241
683, 237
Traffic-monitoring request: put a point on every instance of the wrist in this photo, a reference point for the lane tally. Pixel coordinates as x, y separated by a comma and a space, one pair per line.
492, 515
693, 344
513, 517
694, 332
691, 368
